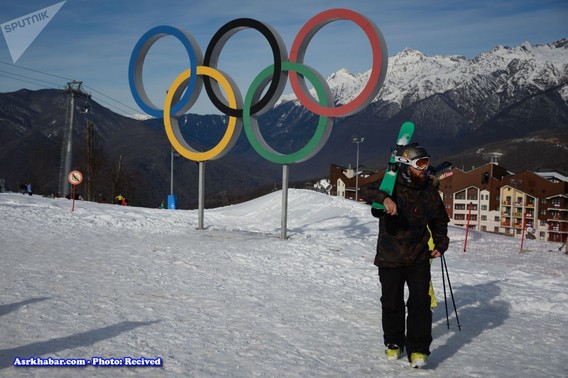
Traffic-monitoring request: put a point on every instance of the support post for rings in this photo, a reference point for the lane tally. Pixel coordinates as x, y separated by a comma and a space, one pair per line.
201, 195
284, 217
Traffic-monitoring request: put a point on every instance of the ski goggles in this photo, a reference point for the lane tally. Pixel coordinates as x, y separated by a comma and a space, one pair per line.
418, 163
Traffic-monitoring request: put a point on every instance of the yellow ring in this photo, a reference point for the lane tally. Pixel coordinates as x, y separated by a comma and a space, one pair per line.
172, 126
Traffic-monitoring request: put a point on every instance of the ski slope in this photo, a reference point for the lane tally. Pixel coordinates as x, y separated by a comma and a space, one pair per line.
234, 300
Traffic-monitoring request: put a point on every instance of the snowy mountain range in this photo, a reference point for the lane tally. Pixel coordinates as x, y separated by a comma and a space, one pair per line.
510, 102
503, 96
413, 76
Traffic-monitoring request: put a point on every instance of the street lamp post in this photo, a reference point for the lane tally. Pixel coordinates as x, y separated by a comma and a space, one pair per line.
357, 141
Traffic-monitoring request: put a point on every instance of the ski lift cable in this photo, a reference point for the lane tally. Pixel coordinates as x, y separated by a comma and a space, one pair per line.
27, 79
68, 80
37, 71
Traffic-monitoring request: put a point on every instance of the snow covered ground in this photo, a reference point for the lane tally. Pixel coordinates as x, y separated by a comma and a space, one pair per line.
234, 300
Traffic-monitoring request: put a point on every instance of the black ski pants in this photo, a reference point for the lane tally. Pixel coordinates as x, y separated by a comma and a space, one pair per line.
418, 335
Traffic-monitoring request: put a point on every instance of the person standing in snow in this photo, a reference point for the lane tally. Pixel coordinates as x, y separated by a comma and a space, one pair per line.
119, 200
413, 213
29, 189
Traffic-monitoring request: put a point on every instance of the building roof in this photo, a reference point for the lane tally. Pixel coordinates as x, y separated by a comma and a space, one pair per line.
552, 176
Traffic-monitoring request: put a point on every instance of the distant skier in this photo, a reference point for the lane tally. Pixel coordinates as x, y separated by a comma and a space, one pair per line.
121, 200
29, 189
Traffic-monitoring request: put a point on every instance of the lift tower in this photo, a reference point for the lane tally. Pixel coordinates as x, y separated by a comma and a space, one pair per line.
73, 89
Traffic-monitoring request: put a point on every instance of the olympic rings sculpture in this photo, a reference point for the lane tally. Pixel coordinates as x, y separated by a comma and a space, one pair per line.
203, 71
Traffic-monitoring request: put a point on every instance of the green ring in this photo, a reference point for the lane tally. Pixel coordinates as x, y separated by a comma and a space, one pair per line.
250, 124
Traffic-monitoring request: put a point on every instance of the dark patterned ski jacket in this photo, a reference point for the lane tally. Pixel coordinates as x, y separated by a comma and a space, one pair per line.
403, 238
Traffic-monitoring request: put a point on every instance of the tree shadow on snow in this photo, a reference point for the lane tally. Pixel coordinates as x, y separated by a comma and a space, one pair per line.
478, 310
8, 308
46, 348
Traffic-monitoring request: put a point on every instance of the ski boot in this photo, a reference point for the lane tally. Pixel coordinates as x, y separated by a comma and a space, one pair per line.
417, 359
393, 352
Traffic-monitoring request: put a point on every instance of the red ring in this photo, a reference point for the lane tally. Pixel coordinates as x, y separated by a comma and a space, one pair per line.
378, 71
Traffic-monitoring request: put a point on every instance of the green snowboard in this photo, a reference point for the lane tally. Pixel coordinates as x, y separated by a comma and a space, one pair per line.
387, 184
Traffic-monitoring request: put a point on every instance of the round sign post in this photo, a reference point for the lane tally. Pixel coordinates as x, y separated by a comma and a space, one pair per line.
75, 178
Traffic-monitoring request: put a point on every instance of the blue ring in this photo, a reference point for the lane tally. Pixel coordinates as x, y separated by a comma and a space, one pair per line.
137, 62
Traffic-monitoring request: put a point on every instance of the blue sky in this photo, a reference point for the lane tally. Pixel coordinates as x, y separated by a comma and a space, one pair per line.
92, 41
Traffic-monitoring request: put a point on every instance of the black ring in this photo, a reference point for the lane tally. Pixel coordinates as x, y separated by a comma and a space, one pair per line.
279, 53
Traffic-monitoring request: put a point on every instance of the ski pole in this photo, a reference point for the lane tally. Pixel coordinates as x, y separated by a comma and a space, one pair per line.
451, 292
445, 297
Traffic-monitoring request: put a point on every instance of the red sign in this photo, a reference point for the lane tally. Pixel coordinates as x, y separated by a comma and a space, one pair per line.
75, 177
